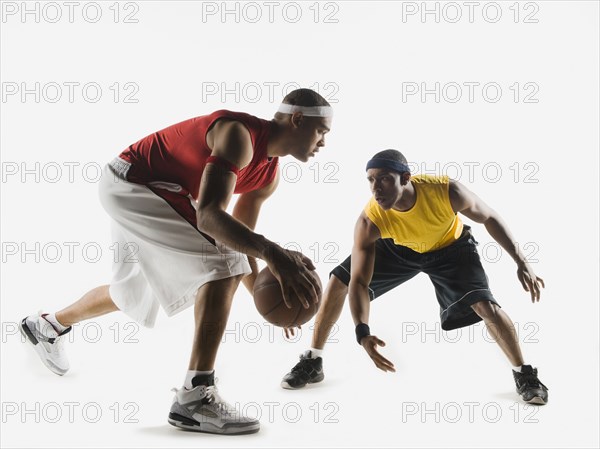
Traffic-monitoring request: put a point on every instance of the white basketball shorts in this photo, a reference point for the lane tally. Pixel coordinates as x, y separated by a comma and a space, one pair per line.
163, 258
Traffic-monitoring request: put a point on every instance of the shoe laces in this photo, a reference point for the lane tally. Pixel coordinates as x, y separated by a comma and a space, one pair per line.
532, 381
302, 365
212, 394
214, 398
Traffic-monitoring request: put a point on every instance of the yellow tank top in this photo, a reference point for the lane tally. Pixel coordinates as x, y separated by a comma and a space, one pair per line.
429, 225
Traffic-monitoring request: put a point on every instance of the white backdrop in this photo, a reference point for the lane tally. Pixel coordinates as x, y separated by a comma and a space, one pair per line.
501, 95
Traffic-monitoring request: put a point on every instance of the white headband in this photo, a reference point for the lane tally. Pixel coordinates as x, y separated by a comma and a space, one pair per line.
309, 111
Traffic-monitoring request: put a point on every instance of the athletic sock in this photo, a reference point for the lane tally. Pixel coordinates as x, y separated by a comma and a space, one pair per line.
187, 384
517, 369
314, 353
51, 318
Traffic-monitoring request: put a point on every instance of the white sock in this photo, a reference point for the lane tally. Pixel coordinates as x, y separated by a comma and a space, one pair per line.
51, 318
191, 374
314, 353
517, 368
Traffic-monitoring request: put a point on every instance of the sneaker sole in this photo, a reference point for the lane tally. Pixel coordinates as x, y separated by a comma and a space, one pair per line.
39, 349
537, 401
287, 386
187, 424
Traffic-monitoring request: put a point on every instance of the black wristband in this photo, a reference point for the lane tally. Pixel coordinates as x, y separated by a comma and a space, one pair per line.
362, 330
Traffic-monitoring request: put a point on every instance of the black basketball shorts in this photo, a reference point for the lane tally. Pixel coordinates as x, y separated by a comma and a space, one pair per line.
455, 271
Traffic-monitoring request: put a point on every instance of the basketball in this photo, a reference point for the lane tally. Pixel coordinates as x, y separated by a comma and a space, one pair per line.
269, 302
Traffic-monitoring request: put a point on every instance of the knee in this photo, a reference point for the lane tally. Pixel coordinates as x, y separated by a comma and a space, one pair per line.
336, 287
485, 309
334, 296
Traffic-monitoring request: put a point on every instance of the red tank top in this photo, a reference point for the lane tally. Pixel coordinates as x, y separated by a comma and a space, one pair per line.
170, 162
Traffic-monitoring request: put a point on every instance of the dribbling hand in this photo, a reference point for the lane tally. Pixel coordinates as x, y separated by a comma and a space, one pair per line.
295, 272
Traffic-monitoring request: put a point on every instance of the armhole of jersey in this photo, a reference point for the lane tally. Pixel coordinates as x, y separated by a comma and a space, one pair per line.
376, 227
231, 119
370, 217
447, 197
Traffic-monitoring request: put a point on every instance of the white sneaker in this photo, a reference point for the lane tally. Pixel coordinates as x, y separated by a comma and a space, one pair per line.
46, 341
202, 409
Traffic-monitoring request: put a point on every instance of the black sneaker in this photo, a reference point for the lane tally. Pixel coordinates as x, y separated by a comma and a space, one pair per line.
529, 386
306, 371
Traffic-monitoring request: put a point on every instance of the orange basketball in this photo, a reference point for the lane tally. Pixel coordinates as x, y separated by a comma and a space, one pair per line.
268, 300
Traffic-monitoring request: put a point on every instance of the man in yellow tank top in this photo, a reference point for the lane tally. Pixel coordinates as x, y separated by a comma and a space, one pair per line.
411, 225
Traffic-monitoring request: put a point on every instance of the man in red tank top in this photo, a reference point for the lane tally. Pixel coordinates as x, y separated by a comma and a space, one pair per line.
167, 196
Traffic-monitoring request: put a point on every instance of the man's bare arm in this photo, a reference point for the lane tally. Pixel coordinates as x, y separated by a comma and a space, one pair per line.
217, 185
246, 210
473, 207
216, 189
363, 262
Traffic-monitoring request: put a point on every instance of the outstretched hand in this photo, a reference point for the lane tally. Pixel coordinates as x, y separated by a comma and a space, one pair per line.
370, 344
530, 282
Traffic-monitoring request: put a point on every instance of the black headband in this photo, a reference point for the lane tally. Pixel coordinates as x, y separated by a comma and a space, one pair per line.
388, 163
